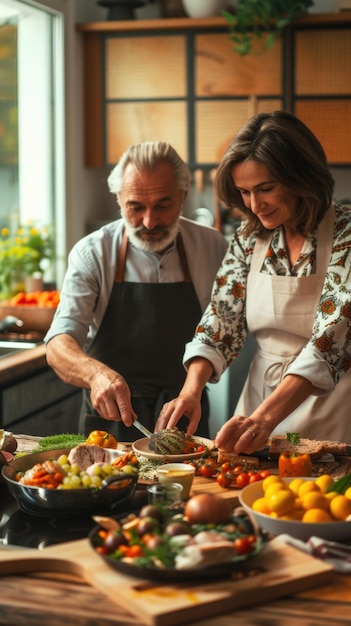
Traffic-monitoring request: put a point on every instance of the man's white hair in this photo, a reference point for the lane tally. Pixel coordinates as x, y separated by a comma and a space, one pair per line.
146, 156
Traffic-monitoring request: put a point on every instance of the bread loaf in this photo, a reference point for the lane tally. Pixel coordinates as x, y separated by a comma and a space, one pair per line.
238, 459
314, 448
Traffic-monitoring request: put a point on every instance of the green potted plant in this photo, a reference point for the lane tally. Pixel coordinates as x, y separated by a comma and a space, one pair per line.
27, 251
262, 19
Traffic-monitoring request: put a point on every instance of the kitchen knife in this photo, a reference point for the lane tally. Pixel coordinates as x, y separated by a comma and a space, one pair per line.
142, 428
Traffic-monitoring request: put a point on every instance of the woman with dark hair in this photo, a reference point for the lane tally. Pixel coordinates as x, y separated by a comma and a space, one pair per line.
286, 280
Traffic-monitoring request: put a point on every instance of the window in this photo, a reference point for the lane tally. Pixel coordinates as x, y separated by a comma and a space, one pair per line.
31, 118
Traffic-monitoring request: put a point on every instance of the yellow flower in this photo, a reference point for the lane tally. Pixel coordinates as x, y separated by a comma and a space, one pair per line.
24, 251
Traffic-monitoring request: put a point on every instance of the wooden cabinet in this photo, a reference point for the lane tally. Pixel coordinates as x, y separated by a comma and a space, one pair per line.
322, 87
40, 405
179, 80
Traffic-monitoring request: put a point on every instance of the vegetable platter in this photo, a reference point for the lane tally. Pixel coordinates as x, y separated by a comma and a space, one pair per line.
43, 501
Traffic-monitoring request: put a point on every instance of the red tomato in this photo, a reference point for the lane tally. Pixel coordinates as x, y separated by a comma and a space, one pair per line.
225, 480
101, 550
208, 470
252, 539
242, 480
243, 545
264, 473
227, 467
254, 478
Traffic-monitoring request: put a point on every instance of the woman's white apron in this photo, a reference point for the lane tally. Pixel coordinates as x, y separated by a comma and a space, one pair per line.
280, 314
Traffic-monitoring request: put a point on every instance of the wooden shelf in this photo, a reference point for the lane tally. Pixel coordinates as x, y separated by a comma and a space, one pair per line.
318, 19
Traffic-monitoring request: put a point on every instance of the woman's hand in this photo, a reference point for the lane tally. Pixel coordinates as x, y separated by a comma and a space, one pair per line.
242, 434
188, 403
172, 411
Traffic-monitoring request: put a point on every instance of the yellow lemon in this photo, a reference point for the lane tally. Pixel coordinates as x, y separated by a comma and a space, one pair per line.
269, 480
274, 487
294, 515
314, 500
324, 482
340, 507
260, 506
315, 516
296, 484
348, 493
331, 494
281, 501
308, 485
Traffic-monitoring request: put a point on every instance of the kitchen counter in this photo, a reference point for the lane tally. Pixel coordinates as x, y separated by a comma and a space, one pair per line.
53, 599
21, 364
57, 600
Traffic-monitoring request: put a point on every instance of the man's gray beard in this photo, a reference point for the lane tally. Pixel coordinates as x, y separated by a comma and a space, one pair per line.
152, 246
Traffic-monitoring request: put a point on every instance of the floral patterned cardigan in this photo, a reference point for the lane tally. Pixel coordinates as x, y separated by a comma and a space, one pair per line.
222, 330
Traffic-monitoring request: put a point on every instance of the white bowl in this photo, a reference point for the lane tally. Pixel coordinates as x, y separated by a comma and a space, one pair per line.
203, 8
182, 473
332, 531
141, 448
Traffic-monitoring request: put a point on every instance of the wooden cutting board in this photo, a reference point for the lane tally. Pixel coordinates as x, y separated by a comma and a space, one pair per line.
283, 571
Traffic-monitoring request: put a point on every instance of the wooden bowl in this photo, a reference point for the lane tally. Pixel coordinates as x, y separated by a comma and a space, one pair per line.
33, 317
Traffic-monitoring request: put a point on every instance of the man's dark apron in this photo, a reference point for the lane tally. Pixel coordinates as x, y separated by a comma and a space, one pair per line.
142, 336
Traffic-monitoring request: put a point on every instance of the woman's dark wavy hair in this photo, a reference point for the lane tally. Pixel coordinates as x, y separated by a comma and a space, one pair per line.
294, 157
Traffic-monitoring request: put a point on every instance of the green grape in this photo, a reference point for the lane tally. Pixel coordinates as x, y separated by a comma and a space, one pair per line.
75, 480
86, 481
96, 481
129, 469
107, 469
63, 459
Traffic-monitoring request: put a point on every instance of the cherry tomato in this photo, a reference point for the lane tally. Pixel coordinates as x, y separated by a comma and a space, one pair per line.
242, 480
252, 539
212, 462
227, 466
243, 545
208, 470
225, 480
101, 550
132, 551
254, 478
264, 473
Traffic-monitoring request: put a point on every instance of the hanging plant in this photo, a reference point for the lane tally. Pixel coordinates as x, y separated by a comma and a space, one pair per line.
262, 19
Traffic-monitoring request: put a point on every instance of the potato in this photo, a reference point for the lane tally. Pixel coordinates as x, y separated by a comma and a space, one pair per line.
10, 444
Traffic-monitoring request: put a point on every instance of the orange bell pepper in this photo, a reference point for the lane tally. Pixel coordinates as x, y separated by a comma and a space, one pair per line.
294, 464
103, 439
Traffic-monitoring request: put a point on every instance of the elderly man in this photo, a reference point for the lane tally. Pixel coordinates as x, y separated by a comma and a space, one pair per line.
132, 296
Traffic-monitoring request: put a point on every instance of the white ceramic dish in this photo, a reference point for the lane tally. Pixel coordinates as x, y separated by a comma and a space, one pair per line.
332, 531
182, 473
141, 446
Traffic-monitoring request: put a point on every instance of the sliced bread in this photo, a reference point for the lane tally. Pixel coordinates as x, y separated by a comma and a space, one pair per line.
315, 448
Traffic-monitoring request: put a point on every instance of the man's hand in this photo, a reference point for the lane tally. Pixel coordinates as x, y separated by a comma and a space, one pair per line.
110, 397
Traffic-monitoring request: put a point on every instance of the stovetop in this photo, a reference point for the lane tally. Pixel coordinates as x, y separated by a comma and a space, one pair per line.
24, 529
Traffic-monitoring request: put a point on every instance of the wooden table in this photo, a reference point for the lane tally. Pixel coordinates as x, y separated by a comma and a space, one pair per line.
53, 600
